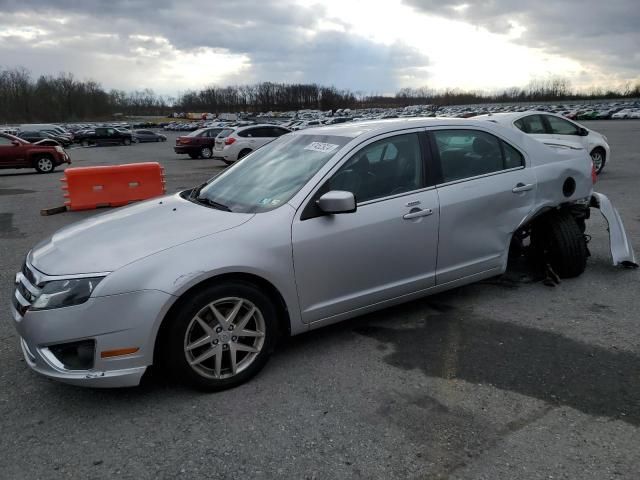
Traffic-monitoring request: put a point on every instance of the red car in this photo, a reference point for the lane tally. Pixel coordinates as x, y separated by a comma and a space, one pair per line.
198, 144
18, 153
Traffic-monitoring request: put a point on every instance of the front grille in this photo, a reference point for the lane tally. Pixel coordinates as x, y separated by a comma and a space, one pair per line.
26, 290
26, 271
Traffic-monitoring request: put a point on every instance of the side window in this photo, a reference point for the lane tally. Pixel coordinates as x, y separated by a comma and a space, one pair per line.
372, 173
531, 124
561, 127
512, 157
5, 141
251, 132
469, 153
279, 131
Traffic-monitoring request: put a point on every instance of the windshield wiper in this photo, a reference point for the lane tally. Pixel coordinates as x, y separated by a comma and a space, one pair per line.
196, 191
213, 203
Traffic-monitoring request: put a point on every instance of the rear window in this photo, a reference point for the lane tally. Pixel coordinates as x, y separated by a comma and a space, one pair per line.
197, 133
225, 133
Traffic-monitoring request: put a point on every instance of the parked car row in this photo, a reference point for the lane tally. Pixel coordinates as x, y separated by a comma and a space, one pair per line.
228, 144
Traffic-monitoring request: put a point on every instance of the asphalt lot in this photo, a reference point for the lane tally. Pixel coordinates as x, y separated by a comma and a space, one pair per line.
506, 379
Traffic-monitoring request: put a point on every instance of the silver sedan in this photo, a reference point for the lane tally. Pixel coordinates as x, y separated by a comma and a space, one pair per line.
315, 227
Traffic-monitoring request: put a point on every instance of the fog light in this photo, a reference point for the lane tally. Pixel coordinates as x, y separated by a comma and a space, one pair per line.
75, 355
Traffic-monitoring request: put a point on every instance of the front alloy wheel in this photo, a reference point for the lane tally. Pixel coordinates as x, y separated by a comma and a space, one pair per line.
223, 337
597, 156
45, 165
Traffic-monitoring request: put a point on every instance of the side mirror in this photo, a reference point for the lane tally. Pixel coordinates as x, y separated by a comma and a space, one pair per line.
583, 132
15, 143
337, 201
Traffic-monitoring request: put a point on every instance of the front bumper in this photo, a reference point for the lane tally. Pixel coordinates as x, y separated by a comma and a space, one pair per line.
46, 364
113, 322
619, 243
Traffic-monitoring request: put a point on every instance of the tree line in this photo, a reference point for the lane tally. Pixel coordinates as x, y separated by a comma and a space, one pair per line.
63, 98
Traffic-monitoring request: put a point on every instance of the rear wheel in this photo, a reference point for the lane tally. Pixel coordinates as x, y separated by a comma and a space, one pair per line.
222, 336
206, 152
44, 164
598, 155
558, 241
85, 143
244, 153
126, 141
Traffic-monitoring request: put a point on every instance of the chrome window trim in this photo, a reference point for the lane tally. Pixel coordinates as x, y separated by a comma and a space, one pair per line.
491, 174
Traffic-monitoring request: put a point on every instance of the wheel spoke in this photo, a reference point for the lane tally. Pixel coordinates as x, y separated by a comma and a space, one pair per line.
199, 343
240, 325
245, 348
232, 356
205, 326
218, 365
208, 354
234, 313
219, 317
250, 333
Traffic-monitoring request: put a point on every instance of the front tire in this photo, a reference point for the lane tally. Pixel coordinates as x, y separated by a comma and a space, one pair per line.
598, 156
44, 164
222, 336
558, 241
126, 142
85, 143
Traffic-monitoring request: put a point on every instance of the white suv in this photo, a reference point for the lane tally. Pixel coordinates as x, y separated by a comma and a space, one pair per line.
234, 143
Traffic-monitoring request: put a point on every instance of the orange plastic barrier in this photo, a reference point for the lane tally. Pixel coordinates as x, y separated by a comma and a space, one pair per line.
112, 186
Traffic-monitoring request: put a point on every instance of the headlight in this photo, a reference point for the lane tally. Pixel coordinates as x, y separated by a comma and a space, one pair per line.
59, 149
64, 293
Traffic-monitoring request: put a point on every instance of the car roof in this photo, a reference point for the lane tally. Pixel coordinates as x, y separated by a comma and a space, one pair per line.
244, 127
372, 127
507, 118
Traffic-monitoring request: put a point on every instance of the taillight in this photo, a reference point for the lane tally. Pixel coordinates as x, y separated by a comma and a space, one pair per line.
185, 141
229, 140
594, 174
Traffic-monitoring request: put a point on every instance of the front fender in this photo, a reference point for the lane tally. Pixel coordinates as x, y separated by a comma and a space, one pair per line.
621, 249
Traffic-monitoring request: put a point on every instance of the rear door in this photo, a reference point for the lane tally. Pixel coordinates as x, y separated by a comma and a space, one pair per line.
486, 188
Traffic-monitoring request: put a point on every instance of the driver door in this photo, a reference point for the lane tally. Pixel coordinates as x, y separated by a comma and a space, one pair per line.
386, 248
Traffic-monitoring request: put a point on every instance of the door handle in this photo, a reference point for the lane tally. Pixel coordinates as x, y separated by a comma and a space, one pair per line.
521, 187
417, 214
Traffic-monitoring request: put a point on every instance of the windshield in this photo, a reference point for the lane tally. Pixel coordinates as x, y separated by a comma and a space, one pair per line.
273, 174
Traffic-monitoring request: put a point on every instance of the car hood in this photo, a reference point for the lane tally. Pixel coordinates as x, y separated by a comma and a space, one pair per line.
104, 243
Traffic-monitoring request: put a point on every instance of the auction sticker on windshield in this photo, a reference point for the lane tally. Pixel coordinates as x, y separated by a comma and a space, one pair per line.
321, 147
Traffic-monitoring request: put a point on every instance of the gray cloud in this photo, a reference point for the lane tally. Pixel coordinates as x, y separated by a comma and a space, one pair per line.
276, 37
595, 32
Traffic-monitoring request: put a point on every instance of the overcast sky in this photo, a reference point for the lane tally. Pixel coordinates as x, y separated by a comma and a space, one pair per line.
369, 46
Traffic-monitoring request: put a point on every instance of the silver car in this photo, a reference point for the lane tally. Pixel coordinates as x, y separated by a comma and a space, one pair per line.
316, 227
